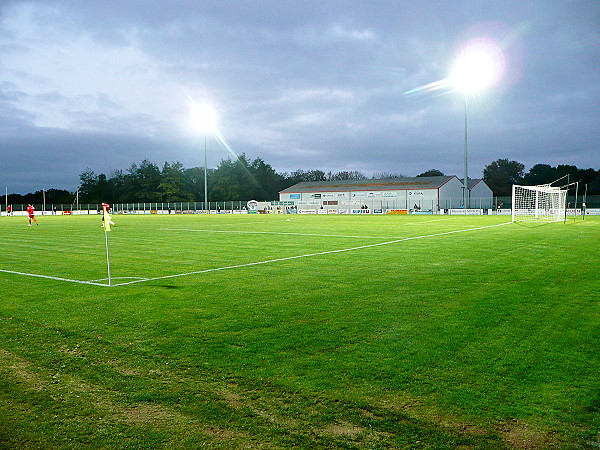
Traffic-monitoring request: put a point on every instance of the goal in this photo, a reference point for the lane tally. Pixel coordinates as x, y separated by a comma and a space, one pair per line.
541, 204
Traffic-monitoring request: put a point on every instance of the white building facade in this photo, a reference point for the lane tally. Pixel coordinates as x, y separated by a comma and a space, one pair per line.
481, 194
418, 194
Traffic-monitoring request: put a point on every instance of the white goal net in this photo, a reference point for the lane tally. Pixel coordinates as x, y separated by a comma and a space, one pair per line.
543, 203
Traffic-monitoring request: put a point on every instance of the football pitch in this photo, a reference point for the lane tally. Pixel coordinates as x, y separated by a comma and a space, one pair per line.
281, 331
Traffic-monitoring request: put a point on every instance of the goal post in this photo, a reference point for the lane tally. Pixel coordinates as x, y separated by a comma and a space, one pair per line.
538, 204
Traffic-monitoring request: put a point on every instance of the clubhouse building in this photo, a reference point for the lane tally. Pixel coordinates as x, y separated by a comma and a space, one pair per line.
414, 194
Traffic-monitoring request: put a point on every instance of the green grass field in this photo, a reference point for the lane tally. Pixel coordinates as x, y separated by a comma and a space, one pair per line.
278, 331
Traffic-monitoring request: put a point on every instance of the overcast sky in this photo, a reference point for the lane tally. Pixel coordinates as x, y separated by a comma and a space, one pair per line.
306, 84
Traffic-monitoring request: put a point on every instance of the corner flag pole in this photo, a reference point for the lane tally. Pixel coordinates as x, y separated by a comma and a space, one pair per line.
106, 222
108, 256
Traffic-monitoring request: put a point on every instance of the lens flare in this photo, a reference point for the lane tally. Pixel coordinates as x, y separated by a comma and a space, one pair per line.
221, 140
430, 87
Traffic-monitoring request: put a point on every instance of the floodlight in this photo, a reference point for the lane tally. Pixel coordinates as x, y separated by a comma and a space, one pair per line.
203, 117
480, 64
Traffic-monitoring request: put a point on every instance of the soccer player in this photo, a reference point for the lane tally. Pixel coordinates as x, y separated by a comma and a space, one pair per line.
31, 214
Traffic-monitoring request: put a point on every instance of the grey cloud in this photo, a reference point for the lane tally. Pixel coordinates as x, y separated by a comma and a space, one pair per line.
301, 85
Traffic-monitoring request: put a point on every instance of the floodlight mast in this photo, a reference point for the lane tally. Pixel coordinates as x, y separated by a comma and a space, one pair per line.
459, 83
205, 178
466, 192
479, 66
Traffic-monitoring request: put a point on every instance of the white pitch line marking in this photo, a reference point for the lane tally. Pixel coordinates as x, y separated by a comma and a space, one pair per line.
52, 278
425, 221
288, 258
238, 223
120, 278
273, 232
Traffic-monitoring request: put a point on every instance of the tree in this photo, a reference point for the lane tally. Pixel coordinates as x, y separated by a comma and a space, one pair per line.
545, 173
569, 172
384, 175
172, 184
540, 174
594, 185
588, 176
58, 196
243, 178
103, 189
265, 178
117, 184
432, 173
88, 189
301, 175
231, 180
143, 181
194, 181
346, 175
501, 174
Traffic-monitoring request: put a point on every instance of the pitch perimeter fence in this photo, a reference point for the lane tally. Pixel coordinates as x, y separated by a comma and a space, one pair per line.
132, 208
496, 204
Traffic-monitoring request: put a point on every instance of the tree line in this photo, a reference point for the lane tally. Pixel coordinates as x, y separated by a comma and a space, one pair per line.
246, 178
501, 174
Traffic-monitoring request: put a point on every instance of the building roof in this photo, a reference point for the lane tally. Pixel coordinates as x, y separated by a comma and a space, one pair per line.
386, 184
474, 181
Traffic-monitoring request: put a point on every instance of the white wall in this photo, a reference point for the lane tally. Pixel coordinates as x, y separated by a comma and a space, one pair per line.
451, 194
481, 196
426, 199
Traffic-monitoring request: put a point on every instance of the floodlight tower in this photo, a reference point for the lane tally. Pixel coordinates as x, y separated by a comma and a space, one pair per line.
479, 65
204, 118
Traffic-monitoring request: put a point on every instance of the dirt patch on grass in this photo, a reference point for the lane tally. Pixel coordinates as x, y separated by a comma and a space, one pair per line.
343, 429
520, 436
350, 432
219, 433
152, 415
75, 351
19, 367
270, 411
233, 399
368, 414
515, 433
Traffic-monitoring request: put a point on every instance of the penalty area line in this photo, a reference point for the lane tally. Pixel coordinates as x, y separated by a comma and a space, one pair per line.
289, 258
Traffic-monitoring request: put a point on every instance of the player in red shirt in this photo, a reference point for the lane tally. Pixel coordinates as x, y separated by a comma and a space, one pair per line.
31, 214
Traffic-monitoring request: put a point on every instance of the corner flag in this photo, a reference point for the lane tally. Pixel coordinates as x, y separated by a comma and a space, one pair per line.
107, 220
